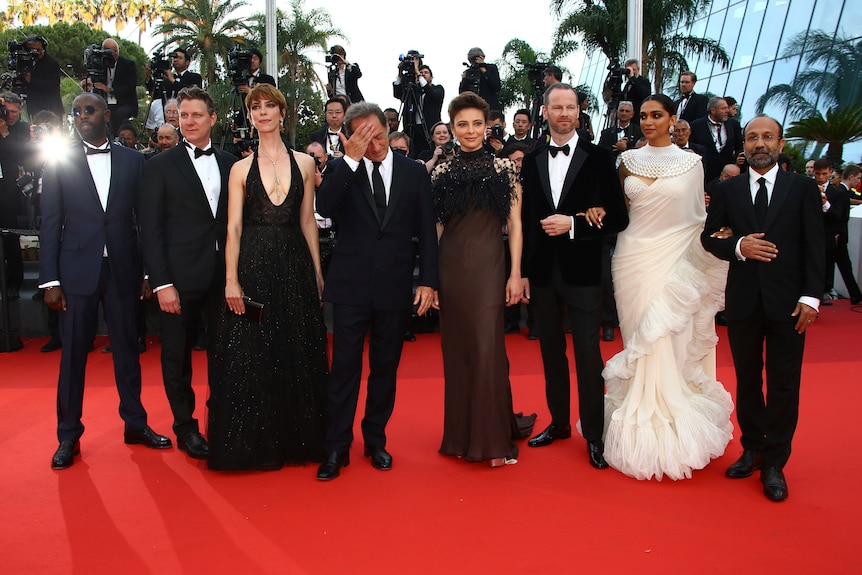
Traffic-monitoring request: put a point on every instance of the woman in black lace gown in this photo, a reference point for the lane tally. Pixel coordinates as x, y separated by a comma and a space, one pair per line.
267, 400
475, 195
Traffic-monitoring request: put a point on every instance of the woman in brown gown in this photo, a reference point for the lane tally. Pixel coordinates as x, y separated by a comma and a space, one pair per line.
475, 194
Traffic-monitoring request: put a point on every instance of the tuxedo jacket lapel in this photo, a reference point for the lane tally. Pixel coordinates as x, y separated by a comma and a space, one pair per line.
365, 186
779, 194
187, 170
579, 156
82, 166
544, 177
745, 204
394, 192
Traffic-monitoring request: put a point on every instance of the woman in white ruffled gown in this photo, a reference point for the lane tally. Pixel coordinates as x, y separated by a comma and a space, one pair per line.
665, 413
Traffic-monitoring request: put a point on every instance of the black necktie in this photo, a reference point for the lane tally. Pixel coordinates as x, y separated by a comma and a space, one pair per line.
761, 202
717, 126
208, 152
379, 191
90, 151
555, 149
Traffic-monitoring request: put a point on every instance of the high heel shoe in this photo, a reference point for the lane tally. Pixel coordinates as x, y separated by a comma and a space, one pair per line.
501, 461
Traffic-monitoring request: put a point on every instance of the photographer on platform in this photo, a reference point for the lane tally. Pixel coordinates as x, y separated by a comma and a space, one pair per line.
43, 81
120, 87
257, 76
430, 100
343, 77
182, 78
481, 78
14, 137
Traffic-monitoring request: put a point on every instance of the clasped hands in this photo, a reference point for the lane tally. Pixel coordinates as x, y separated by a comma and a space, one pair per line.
559, 224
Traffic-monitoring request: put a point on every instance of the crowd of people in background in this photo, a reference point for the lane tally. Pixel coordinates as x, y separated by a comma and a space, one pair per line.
238, 251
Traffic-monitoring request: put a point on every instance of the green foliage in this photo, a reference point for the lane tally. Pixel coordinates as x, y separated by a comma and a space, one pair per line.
517, 89
836, 129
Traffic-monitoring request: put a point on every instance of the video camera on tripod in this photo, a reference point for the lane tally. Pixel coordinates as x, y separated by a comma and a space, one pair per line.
21, 61
97, 60
613, 88
407, 65
239, 65
536, 76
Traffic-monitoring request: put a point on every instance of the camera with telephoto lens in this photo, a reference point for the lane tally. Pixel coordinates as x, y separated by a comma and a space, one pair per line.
21, 58
239, 65
497, 133
536, 75
97, 60
448, 148
613, 88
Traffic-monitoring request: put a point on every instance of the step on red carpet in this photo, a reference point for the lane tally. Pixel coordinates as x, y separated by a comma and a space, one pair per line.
126, 509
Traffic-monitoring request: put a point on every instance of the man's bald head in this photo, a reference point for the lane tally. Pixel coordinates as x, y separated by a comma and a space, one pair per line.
168, 137
729, 171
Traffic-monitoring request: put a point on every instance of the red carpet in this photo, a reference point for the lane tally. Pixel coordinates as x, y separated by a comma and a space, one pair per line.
126, 509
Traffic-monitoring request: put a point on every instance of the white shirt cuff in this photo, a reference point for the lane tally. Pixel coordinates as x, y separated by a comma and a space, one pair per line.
351, 163
572, 229
54, 283
810, 302
738, 251
160, 288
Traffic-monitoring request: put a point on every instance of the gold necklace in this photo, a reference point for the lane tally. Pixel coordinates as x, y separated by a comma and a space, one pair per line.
275, 169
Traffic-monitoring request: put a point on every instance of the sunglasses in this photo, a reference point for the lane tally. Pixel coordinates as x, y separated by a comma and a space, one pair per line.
89, 110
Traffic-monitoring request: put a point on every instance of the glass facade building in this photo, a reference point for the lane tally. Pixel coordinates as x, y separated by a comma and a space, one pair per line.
755, 35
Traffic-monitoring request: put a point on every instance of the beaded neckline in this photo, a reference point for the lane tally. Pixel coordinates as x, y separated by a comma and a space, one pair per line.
659, 162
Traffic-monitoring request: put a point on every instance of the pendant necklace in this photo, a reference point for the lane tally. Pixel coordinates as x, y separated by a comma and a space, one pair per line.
275, 169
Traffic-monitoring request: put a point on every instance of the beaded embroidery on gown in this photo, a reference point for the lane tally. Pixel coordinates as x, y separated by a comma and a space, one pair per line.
268, 397
665, 413
472, 193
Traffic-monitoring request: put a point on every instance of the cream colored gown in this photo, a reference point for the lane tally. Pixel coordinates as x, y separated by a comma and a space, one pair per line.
665, 413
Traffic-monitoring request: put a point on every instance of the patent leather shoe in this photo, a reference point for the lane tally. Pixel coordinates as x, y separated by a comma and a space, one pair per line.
774, 484
65, 455
532, 334
194, 445
380, 458
551, 433
608, 334
53, 345
331, 467
748, 462
147, 437
596, 451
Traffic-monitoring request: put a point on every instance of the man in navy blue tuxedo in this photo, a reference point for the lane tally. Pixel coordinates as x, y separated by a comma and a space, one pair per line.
89, 255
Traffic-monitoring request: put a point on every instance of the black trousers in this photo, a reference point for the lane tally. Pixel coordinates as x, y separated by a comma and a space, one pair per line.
584, 307
767, 422
78, 325
350, 324
178, 335
845, 267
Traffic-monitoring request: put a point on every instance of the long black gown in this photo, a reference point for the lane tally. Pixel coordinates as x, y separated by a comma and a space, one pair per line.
268, 397
473, 194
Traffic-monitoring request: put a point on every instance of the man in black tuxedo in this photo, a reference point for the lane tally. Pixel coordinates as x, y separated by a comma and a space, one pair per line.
182, 77
430, 100
184, 226
691, 106
328, 135
482, 78
721, 139
521, 127
624, 135
343, 76
637, 87
682, 138
572, 199
43, 81
89, 255
257, 76
381, 201
121, 89
836, 214
773, 293
850, 178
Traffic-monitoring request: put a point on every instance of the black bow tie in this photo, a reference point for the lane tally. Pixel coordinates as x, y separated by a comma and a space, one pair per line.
555, 149
90, 151
198, 152
686, 96
620, 129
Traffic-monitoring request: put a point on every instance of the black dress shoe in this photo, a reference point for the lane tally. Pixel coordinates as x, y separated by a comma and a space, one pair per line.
142, 344
148, 437
720, 318
596, 451
194, 444
533, 334
774, 484
65, 455
409, 336
745, 465
855, 300
380, 458
53, 345
330, 468
106, 349
511, 329
551, 433
608, 334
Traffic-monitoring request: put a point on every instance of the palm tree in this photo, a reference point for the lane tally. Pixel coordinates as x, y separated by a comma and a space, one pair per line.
840, 126
204, 26
601, 25
830, 81
513, 64
298, 32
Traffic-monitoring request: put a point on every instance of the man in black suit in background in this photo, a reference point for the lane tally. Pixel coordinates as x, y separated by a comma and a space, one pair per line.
182, 77
89, 255
721, 139
624, 135
637, 87
184, 225
572, 199
691, 106
430, 99
43, 82
850, 178
482, 78
773, 292
328, 135
682, 138
121, 89
381, 201
836, 212
257, 76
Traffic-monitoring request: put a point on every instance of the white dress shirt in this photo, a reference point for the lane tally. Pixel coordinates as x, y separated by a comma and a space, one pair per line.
558, 167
